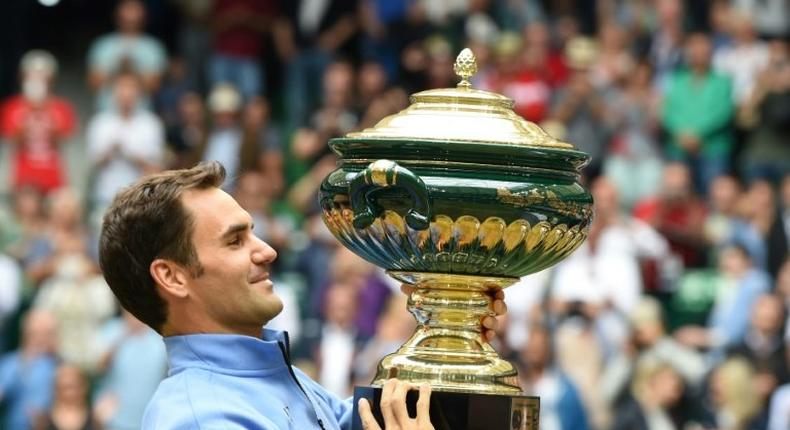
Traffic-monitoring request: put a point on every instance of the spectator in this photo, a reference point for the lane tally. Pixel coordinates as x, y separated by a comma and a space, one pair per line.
335, 118
337, 342
70, 407
71, 288
132, 364
174, 87
308, 38
765, 114
657, 387
189, 132
560, 405
679, 215
225, 138
127, 50
238, 27
764, 347
261, 147
26, 226
666, 46
81, 303
394, 327
613, 63
371, 291
764, 214
581, 107
744, 59
729, 320
123, 144
697, 114
771, 17
62, 238
543, 57
27, 374
633, 161
721, 25
734, 402
588, 275
526, 300
37, 123
649, 343
529, 91
725, 222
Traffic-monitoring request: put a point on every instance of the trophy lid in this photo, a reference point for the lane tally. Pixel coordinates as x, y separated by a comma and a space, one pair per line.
461, 114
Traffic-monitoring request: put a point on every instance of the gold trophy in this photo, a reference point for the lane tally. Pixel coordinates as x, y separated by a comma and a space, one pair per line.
459, 197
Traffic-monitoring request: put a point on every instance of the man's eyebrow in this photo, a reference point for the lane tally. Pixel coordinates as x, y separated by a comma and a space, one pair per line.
235, 228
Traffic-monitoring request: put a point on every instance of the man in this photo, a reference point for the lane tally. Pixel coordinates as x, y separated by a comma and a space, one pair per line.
697, 112
181, 256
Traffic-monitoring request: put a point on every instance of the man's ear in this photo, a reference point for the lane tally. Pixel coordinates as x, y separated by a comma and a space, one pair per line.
170, 277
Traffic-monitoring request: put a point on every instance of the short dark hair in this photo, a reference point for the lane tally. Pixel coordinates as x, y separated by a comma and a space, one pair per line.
146, 221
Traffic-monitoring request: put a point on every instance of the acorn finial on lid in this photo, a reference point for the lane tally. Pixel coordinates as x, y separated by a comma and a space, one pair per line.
465, 67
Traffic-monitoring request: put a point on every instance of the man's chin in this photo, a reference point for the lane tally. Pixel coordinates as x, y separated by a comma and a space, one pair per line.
272, 308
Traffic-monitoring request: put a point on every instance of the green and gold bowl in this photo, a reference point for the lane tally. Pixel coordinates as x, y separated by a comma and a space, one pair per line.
458, 196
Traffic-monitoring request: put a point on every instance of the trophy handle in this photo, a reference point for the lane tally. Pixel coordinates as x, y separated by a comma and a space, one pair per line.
385, 174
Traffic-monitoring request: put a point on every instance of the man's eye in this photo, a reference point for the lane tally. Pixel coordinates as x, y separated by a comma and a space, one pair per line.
235, 242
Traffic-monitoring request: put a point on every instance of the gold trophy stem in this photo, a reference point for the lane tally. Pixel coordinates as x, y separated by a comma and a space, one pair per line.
448, 349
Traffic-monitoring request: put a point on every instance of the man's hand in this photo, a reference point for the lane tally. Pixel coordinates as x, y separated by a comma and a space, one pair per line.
393, 408
689, 141
490, 323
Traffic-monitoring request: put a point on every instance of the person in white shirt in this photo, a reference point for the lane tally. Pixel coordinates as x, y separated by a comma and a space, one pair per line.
123, 144
744, 59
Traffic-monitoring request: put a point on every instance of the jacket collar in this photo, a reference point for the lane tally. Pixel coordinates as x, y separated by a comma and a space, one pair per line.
231, 352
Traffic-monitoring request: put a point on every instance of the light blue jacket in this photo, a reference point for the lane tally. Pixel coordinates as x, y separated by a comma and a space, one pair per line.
230, 382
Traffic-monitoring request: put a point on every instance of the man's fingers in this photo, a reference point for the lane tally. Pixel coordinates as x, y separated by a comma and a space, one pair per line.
424, 408
406, 289
490, 323
387, 404
499, 306
366, 416
399, 404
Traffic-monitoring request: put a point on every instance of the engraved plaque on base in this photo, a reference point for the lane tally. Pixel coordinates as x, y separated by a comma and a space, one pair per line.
463, 411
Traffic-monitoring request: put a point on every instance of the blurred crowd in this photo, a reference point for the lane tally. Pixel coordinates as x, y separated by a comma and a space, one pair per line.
672, 315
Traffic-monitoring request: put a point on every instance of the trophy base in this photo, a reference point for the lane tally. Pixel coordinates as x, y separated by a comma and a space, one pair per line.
462, 411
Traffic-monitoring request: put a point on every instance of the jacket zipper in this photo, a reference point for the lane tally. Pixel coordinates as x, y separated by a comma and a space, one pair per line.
287, 357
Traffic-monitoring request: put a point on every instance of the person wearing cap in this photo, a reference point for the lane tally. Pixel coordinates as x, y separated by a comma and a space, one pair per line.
582, 106
224, 140
37, 122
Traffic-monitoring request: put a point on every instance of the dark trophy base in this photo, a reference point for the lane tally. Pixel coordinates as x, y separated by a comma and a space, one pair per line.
463, 411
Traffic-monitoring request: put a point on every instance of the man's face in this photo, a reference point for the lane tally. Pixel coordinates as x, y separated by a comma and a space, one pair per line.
698, 51
234, 290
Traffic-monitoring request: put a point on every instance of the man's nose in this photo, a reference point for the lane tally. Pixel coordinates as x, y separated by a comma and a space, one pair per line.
263, 253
